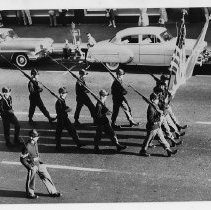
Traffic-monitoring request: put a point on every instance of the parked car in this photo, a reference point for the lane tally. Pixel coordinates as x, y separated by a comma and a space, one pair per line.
23, 50
151, 46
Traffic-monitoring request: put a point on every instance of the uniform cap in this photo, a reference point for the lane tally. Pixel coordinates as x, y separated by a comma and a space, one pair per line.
153, 96
83, 72
6, 90
34, 72
103, 93
62, 90
33, 133
120, 72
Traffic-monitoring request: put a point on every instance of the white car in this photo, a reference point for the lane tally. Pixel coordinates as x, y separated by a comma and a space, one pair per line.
22, 50
150, 46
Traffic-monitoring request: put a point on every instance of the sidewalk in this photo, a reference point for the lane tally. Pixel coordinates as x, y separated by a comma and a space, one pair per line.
99, 31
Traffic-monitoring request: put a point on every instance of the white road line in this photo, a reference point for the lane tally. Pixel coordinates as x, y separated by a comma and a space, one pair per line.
205, 123
71, 168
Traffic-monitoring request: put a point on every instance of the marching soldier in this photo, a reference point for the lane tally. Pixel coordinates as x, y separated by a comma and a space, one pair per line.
82, 98
103, 124
118, 95
153, 126
8, 116
35, 99
30, 158
63, 121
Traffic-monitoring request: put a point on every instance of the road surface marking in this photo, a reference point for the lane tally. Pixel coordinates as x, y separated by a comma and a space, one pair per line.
205, 123
73, 168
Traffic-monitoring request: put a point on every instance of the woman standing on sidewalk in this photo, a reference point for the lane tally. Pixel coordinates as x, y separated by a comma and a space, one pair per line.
143, 17
110, 14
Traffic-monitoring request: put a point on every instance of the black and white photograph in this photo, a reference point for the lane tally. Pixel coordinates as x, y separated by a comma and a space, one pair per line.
105, 104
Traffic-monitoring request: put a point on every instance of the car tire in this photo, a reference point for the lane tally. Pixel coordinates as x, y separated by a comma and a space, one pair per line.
113, 66
21, 60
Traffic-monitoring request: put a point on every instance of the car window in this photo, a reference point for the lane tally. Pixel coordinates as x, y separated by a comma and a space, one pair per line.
130, 39
150, 39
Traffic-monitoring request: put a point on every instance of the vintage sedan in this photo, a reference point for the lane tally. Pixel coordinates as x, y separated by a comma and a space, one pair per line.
23, 50
150, 46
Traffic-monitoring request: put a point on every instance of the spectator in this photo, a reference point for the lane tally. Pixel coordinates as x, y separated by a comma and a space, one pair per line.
110, 14
26, 17
163, 16
52, 17
91, 40
18, 17
143, 17
78, 16
1, 21
62, 17
66, 49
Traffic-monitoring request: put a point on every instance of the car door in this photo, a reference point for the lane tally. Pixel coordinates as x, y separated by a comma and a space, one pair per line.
132, 43
151, 50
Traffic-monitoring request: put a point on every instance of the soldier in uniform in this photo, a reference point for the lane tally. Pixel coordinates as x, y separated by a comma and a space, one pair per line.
118, 95
63, 121
82, 98
30, 158
153, 126
103, 124
8, 116
35, 99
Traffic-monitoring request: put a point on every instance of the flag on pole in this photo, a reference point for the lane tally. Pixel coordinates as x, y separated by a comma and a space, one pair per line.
197, 49
177, 65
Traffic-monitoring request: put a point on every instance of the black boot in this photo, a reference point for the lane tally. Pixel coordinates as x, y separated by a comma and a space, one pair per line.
144, 153
170, 152
120, 147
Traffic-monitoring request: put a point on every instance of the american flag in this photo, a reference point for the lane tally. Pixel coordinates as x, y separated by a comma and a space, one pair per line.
178, 61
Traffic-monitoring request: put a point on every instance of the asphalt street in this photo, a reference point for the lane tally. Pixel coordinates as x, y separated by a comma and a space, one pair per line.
85, 177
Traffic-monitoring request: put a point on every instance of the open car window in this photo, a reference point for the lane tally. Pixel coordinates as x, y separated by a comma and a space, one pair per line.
131, 39
150, 39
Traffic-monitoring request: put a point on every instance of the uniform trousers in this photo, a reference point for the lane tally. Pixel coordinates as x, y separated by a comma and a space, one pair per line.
7, 120
150, 136
80, 103
42, 172
171, 123
37, 102
65, 123
125, 107
173, 117
107, 129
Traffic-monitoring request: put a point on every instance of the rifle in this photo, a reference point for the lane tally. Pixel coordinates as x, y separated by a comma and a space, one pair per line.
79, 80
146, 100
152, 75
29, 78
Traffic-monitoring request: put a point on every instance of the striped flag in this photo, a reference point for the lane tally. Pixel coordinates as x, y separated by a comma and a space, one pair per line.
177, 65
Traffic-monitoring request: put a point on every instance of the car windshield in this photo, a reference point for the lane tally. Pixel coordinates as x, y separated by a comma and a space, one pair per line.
114, 39
166, 36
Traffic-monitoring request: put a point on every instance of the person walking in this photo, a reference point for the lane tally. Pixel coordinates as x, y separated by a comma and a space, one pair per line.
143, 17
62, 17
30, 158
35, 98
110, 14
63, 121
153, 126
8, 117
82, 97
118, 96
103, 124
52, 18
26, 17
163, 16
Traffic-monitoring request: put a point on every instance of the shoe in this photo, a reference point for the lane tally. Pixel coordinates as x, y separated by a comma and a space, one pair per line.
183, 127
177, 135
174, 144
51, 119
132, 124
120, 147
144, 153
182, 134
170, 153
32, 196
56, 195
114, 126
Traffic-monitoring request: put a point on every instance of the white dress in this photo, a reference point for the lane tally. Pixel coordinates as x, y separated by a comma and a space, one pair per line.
143, 18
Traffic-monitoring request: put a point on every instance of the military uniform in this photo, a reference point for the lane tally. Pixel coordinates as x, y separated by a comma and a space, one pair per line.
35, 99
63, 121
8, 117
30, 158
82, 98
103, 125
154, 128
118, 95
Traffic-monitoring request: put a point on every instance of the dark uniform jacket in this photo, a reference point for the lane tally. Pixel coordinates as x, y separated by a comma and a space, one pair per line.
153, 118
62, 109
34, 90
6, 106
81, 91
101, 112
30, 155
118, 91
164, 100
